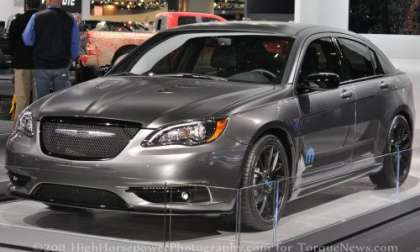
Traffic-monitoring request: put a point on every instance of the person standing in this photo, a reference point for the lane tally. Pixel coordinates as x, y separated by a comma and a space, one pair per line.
22, 57
54, 34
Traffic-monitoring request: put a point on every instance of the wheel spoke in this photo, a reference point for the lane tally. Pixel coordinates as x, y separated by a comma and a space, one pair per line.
269, 156
274, 162
263, 204
258, 173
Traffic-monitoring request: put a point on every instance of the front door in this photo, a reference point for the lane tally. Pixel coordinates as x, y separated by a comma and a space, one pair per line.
327, 117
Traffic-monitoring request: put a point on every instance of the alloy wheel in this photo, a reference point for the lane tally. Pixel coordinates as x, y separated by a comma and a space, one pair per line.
269, 174
400, 140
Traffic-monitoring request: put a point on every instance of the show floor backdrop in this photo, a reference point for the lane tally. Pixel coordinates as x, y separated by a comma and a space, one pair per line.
394, 26
73, 6
385, 16
278, 10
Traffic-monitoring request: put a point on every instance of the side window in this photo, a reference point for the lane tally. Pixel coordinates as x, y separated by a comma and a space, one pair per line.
357, 62
377, 67
186, 20
207, 20
159, 24
320, 57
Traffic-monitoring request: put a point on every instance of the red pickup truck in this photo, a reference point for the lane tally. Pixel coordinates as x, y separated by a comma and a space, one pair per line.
109, 41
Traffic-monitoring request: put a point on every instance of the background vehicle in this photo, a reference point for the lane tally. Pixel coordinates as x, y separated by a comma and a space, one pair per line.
103, 42
232, 105
106, 42
5, 57
168, 20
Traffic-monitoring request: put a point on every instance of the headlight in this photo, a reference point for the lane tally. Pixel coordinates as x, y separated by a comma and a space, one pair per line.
190, 134
24, 123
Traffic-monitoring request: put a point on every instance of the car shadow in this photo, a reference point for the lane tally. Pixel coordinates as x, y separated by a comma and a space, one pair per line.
326, 196
128, 226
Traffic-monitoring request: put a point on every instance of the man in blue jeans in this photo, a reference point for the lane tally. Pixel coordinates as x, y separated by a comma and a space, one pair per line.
54, 34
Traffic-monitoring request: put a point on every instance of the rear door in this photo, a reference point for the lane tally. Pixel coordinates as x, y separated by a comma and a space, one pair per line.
327, 116
363, 70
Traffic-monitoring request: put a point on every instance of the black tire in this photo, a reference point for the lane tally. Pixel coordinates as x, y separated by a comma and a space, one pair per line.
123, 51
256, 216
2, 60
399, 134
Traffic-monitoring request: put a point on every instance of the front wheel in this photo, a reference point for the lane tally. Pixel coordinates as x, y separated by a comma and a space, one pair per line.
398, 147
265, 184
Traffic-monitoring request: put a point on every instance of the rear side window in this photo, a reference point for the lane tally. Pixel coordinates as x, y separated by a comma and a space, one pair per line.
186, 20
377, 67
357, 62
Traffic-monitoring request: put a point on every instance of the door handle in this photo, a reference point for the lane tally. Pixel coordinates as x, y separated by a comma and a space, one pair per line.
384, 85
346, 94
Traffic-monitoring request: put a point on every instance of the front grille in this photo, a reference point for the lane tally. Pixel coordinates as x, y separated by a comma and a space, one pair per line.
78, 196
85, 139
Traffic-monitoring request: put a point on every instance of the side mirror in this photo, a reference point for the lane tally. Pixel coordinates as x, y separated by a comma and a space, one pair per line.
324, 80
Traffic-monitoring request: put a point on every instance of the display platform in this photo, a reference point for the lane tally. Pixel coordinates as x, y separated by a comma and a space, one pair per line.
312, 221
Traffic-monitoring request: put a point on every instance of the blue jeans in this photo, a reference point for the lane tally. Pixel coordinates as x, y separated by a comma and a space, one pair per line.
50, 80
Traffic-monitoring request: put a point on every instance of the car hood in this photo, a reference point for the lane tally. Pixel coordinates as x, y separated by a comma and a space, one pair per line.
152, 101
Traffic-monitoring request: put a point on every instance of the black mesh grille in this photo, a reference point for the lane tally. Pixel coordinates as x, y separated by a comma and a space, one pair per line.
78, 196
85, 139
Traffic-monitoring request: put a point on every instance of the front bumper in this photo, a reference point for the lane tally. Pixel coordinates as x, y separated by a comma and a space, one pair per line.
214, 168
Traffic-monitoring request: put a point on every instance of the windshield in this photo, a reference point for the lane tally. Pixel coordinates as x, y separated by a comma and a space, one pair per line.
244, 58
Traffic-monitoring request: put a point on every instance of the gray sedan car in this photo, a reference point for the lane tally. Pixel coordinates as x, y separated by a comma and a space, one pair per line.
200, 109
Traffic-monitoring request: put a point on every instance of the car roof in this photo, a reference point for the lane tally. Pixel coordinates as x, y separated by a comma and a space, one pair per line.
285, 28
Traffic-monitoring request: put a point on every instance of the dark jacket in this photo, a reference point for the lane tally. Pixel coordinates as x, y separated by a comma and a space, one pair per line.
55, 36
22, 56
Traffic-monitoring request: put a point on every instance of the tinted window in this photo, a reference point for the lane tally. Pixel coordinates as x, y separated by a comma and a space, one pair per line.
320, 56
246, 58
206, 20
186, 20
159, 24
119, 27
377, 67
357, 61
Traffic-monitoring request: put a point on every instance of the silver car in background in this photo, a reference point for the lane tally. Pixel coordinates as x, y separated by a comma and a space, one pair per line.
205, 107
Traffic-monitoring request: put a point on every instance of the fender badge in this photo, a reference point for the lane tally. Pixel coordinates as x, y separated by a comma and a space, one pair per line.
310, 156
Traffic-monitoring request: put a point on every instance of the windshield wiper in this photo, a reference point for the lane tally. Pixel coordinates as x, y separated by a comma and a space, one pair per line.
190, 75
